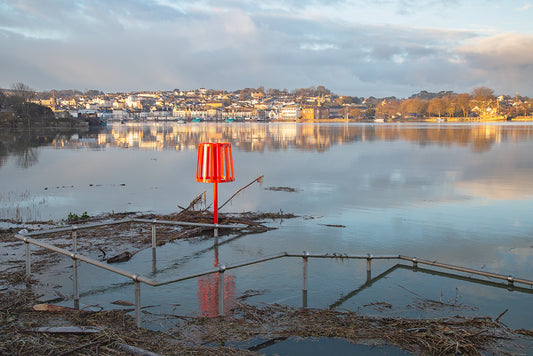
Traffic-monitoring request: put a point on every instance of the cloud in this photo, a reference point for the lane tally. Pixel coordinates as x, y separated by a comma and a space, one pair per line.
504, 61
352, 47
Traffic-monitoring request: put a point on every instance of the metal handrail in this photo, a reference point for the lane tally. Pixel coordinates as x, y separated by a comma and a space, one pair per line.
509, 279
77, 256
129, 220
137, 279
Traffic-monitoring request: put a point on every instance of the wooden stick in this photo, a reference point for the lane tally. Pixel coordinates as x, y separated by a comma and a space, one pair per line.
258, 179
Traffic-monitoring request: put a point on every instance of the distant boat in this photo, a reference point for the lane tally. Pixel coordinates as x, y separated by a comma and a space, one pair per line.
379, 120
229, 119
196, 119
181, 122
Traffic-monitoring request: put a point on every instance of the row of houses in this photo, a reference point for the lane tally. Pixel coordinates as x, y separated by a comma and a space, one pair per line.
289, 112
200, 103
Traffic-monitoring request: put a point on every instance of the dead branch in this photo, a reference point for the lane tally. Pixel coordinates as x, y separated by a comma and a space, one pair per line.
499, 316
258, 180
200, 198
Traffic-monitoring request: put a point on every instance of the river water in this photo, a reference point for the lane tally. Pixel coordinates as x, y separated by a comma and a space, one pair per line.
456, 193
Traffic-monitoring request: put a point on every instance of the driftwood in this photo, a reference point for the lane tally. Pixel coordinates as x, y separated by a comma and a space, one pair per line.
132, 350
54, 308
67, 329
258, 180
122, 302
200, 198
282, 189
332, 225
189, 233
121, 257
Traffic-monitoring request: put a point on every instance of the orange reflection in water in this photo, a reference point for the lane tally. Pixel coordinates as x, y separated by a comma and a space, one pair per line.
209, 292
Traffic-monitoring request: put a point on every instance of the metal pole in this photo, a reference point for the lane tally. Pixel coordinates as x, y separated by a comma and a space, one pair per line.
368, 267
154, 261
75, 239
154, 237
221, 270
28, 258
137, 286
75, 287
215, 203
305, 257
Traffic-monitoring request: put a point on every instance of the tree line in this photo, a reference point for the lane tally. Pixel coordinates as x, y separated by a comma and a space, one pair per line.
480, 102
20, 103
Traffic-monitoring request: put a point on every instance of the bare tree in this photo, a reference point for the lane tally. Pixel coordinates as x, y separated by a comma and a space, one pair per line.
23, 94
437, 106
23, 91
464, 102
484, 99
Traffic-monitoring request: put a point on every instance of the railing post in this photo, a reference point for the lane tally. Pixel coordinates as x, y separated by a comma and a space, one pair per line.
137, 287
75, 287
415, 263
368, 267
154, 237
221, 270
28, 252
510, 281
215, 234
305, 257
154, 261
28, 257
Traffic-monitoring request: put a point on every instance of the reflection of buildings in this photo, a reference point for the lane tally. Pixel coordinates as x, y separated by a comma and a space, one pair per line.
280, 136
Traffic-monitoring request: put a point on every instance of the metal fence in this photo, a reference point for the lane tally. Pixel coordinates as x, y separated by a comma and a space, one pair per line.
27, 238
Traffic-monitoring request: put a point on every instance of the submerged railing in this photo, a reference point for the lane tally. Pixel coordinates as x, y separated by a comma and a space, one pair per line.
137, 279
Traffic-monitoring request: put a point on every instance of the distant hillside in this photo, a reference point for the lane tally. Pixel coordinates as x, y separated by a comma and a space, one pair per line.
424, 95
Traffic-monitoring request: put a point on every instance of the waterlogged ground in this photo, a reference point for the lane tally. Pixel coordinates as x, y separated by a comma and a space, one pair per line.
264, 328
458, 194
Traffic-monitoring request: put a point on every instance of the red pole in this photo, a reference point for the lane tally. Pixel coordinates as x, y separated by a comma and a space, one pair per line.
215, 196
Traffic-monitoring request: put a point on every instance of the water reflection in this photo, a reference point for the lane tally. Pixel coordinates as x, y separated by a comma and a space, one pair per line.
258, 137
211, 287
23, 144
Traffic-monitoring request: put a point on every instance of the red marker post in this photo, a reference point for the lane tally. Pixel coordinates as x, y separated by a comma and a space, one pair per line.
215, 165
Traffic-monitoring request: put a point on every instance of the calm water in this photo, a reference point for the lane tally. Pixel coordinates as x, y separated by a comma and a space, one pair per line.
459, 194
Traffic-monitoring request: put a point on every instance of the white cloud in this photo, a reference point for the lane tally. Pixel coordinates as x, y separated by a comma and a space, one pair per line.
317, 46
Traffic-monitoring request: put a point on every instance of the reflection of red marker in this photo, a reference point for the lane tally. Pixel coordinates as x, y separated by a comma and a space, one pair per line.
214, 165
209, 297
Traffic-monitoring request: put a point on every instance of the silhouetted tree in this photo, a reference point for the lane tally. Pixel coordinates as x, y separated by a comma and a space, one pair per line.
22, 93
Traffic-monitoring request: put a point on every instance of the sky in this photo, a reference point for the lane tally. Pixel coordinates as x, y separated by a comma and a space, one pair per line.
359, 48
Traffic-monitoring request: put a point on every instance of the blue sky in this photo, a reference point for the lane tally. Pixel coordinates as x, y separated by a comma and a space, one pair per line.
358, 48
